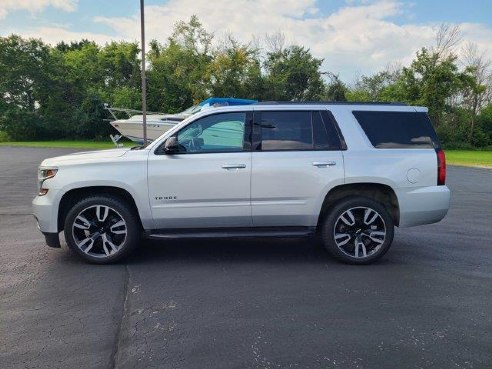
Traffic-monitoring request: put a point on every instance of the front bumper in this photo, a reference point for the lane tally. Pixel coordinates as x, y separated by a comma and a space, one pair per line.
52, 240
45, 210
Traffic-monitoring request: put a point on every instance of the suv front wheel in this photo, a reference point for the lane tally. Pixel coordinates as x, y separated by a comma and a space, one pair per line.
101, 229
358, 230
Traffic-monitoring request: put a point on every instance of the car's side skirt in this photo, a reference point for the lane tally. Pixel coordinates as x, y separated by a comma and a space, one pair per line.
278, 232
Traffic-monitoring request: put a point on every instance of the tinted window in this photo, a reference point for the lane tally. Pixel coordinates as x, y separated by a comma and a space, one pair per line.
286, 130
214, 133
296, 130
324, 132
390, 130
319, 133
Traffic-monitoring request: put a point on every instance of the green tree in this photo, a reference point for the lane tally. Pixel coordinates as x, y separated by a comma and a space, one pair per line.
26, 71
235, 71
479, 91
293, 74
336, 90
484, 124
80, 80
177, 72
120, 65
378, 87
91, 76
431, 80
25, 67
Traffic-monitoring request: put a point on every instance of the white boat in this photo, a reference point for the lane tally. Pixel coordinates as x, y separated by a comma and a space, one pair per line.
159, 123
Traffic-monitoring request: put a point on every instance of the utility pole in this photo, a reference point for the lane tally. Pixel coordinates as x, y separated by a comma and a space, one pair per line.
144, 83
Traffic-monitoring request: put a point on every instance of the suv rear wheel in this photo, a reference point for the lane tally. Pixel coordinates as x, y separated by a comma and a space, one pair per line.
358, 230
101, 229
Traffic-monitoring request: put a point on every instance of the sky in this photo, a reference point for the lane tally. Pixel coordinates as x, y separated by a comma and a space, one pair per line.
353, 37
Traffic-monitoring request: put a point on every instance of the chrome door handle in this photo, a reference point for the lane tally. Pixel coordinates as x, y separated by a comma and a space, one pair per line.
233, 166
324, 164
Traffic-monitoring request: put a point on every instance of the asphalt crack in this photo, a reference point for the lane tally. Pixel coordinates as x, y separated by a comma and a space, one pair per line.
123, 313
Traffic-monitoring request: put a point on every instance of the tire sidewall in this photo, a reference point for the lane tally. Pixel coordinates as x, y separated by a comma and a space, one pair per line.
338, 209
133, 229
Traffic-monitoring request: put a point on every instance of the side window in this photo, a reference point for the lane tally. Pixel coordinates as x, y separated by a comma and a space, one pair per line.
296, 130
395, 130
214, 133
286, 130
324, 132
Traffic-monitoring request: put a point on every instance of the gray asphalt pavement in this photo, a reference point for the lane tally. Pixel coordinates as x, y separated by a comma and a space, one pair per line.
247, 304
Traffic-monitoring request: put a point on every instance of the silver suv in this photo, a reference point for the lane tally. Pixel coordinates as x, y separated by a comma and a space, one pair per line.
346, 172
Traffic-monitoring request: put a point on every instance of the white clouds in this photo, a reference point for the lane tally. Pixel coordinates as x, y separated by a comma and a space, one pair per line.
364, 39
53, 35
478, 33
360, 37
35, 5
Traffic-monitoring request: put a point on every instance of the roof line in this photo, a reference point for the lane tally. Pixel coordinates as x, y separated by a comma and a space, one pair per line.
329, 103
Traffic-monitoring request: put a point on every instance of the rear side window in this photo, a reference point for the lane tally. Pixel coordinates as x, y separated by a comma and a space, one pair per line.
397, 130
286, 130
295, 130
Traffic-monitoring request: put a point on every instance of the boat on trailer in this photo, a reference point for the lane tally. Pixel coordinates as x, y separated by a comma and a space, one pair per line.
159, 123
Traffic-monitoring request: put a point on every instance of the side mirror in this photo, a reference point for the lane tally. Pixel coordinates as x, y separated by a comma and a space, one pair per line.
171, 146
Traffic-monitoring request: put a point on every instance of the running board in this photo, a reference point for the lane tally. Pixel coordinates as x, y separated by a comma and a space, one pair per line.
281, 232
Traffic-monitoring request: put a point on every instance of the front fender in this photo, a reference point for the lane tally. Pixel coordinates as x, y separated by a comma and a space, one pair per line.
140, 197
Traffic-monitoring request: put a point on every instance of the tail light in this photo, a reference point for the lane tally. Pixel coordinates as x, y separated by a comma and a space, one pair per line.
441, 167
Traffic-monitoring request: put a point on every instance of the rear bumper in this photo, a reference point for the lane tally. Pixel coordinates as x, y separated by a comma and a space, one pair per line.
423, 205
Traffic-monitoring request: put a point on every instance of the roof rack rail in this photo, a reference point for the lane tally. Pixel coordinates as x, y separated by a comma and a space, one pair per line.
330, 103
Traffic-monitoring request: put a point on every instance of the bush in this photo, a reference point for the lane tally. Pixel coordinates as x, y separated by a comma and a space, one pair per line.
4, 137
453, 134
480, 138
21, 125
484, 122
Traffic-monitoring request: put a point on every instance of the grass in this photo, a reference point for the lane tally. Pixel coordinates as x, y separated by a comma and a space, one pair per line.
67, 144
469, 158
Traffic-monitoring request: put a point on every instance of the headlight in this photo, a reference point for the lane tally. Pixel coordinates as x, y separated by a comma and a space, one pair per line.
43, 175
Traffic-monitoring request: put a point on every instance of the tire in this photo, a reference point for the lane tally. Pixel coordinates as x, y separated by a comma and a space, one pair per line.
353, 230
102, 229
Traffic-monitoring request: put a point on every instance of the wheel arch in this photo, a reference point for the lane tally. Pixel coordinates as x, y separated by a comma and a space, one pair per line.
72, 196
381, 193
